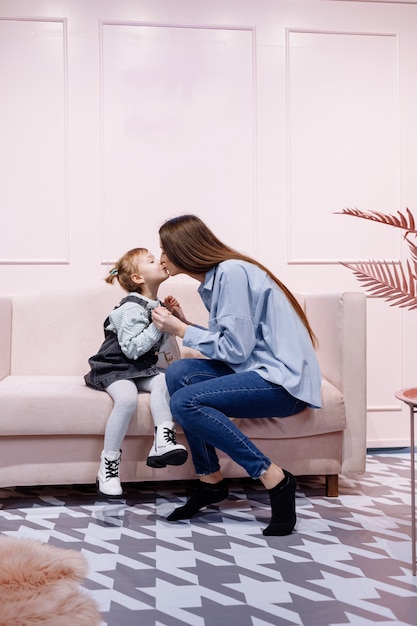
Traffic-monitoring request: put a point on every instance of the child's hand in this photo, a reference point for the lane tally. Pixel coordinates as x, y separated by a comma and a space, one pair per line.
170, 302
174, 307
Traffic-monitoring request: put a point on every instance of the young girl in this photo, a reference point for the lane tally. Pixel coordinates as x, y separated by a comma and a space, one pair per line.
261, 363
126, 364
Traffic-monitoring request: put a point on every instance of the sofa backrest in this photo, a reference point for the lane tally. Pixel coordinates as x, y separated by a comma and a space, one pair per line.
55, 332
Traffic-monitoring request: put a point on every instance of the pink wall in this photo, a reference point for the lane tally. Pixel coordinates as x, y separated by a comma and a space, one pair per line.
264, 117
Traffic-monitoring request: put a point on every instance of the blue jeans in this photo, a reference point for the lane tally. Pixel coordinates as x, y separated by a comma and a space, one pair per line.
206, 393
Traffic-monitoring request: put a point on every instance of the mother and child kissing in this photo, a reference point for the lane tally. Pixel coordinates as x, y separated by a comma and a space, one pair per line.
260, 362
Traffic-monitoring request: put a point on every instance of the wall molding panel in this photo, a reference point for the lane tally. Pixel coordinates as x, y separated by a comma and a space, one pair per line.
171, 129
342, 115
33, 126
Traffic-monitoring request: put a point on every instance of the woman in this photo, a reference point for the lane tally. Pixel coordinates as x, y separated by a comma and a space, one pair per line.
261, 363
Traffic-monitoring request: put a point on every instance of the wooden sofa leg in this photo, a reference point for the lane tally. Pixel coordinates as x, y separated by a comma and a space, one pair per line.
332, 485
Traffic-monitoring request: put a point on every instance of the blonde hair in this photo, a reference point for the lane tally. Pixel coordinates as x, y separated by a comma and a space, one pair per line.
124, 268
193, 248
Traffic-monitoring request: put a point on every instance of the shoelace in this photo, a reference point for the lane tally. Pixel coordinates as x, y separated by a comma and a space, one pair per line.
169, 436
112, 468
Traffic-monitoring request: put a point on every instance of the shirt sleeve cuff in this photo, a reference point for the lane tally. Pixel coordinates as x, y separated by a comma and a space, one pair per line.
192, 336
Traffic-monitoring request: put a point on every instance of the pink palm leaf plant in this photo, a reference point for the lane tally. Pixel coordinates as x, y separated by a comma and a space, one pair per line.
394, 281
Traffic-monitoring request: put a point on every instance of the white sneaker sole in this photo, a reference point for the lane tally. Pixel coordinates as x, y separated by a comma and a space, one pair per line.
107, 495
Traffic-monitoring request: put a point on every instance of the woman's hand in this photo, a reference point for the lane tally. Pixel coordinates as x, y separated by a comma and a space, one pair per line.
167, 322
174, 307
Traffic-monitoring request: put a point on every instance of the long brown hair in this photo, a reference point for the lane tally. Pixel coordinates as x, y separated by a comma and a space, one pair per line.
195, 249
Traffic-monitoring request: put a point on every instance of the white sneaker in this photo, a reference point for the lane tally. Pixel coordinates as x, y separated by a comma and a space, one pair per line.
165, 450
108, 481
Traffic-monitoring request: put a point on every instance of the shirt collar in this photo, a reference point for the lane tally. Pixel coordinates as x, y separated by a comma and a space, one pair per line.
208, 281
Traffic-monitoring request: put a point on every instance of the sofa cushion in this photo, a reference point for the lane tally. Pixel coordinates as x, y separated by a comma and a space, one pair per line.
66, 406
331, 418
61, 405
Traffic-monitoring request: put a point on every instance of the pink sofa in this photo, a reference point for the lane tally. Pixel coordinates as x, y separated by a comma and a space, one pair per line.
52, 425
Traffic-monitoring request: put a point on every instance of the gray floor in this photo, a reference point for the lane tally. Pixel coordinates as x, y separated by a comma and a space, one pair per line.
348, 562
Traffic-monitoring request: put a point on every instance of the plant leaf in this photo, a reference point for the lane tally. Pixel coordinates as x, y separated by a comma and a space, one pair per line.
413, 252
405, 222
388, 280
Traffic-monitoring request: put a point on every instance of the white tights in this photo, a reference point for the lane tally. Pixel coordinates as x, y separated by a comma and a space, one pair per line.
125, 397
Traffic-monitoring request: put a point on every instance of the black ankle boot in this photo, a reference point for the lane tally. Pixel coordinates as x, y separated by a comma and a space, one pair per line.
204, 495
283, 507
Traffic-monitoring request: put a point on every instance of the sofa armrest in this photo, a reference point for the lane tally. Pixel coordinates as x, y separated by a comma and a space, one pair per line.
339, 321
5, 335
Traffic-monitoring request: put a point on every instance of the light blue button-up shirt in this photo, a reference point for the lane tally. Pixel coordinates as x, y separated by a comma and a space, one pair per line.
253, 327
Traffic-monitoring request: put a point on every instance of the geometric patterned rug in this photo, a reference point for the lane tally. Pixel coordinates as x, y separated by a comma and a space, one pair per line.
348, 562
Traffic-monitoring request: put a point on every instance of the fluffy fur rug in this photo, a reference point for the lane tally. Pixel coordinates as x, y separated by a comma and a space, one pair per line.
40, 585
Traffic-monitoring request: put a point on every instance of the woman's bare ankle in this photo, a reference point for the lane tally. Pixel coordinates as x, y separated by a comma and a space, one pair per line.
212, 479
272, 477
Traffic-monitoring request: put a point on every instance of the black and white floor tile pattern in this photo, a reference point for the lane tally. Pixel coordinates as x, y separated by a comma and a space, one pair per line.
347, 563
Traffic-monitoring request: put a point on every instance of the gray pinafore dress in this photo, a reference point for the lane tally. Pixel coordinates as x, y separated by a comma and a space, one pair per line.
111, 364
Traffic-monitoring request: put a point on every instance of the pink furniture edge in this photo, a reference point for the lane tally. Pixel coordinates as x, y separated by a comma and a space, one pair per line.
52, 425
